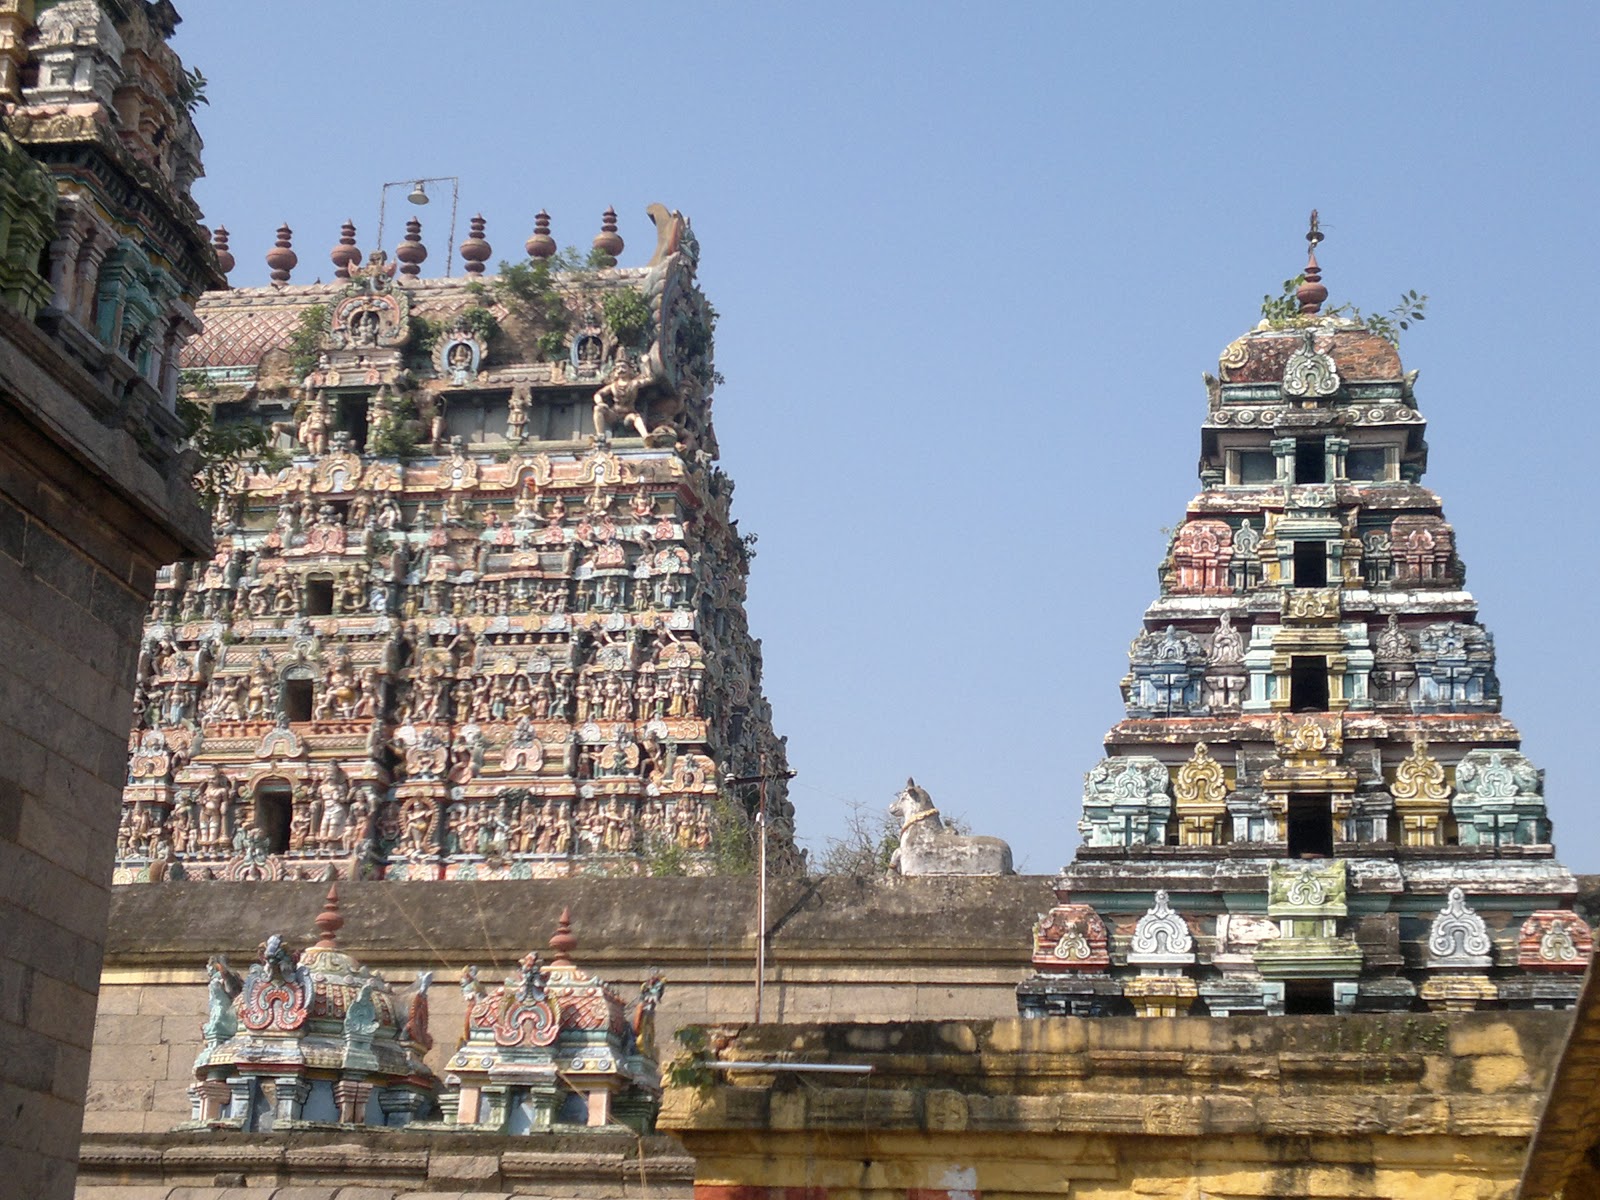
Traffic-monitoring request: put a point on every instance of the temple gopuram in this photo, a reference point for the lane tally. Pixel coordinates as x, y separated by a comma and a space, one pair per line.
477, 611
1314, 803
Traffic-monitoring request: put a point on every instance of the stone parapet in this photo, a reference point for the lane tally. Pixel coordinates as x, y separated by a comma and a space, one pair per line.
379, 1164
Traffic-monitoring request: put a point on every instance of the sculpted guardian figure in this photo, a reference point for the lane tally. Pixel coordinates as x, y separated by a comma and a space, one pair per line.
618, 400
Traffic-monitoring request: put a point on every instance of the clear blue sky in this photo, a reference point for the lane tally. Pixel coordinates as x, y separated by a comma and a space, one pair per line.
971, 261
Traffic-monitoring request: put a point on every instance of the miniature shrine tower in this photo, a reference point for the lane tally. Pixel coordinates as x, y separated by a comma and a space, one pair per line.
1313, 803
480, 613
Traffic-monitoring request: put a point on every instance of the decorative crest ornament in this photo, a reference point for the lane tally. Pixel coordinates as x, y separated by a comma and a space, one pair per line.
1458, 936
1555, 940
1309, 742
1394, 644
1200, 795
1311, 604
1070, 937
1161, 936
1306, 888
1309, 373
1200, 780
1419, 777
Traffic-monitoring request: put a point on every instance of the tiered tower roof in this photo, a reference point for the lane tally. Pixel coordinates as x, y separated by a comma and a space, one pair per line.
1313, 801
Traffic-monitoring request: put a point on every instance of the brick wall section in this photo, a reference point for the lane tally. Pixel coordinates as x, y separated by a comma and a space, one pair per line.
84, 523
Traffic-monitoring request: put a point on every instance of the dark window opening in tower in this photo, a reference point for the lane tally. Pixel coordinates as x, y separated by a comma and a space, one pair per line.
319, 597
1310, 461
1367, 463
274, 807
352, 419
297, 699
1258, 466
1310, 827
1311, 564
1308, 683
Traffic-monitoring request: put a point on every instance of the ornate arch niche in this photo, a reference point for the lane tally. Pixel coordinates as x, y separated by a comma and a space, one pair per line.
367, 319
458, 357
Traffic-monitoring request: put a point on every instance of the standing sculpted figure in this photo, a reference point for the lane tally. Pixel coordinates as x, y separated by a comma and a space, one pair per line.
215, 802
334, 807
517, 414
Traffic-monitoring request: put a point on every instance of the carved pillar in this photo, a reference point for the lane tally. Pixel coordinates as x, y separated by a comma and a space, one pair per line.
1337, 450
208, 1099
64, 252
1283, 451
351, 1097
15, 18
401, 1105
86, 290
181, 325
288, 1096
242, 1089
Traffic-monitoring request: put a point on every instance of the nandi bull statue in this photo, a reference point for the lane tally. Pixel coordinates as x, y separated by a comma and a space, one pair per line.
928, 848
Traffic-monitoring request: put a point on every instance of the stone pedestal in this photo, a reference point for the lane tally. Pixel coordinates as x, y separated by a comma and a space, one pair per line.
1457, 993
1161, 995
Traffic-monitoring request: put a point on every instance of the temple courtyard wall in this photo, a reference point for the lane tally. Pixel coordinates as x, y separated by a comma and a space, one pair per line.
913, 977
839, 950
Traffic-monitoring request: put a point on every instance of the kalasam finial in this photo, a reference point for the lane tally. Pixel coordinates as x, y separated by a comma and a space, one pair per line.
1312, 293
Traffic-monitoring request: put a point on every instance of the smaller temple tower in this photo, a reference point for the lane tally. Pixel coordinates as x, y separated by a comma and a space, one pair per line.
1314, 802
313, 1038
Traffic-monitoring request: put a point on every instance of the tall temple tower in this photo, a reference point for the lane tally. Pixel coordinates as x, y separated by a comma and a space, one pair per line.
1313, 803
480, 614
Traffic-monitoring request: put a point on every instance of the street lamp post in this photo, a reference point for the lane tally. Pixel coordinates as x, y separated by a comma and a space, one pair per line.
419, 195
762, 778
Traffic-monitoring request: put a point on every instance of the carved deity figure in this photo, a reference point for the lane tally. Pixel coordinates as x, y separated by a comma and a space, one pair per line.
313, 430
223, 985
644, 1013
517, 414
1227, 646
332, 802
340, 690
617, 401
417, 823
216, 810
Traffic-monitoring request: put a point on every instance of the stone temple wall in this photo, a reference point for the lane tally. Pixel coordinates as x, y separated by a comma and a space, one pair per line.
75, 576
1420, 1105
101, 256
928, 959
839, 949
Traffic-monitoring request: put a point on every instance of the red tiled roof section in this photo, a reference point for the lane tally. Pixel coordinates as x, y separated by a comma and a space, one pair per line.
239, 337
1359, 355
